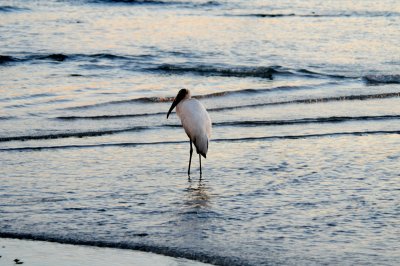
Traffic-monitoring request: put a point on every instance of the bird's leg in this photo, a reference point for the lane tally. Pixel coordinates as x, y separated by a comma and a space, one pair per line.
200, 165
190, 158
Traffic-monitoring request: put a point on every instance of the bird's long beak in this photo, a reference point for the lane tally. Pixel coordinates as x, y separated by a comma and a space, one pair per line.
181, 95
175, 103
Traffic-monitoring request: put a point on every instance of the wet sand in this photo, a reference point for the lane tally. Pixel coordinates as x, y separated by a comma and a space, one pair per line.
41, 253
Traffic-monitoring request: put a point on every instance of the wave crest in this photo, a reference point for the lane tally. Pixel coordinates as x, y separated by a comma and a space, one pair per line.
255, 123
382, 79
4, 59
60, 57
159, 2
138, 2
72, 134
221, 94
242, 139
259, 72
316, 15
11, 8
317, 120
156, 99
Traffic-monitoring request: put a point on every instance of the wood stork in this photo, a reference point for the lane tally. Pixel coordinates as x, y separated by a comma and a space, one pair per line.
196, 122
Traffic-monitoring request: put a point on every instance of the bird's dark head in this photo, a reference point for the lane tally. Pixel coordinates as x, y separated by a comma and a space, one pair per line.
182, 94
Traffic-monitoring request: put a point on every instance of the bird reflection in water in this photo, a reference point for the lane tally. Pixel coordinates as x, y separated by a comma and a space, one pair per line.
197, 197
195, 216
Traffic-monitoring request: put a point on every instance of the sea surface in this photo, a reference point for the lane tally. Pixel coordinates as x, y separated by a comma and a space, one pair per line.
304, 163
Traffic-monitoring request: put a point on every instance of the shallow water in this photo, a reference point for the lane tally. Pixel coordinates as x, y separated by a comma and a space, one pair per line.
304, 98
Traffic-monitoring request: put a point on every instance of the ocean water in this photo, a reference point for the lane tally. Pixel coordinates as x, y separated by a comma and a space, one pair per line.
303, 165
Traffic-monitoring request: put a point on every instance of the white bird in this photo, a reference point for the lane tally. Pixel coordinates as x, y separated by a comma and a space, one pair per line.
196, 122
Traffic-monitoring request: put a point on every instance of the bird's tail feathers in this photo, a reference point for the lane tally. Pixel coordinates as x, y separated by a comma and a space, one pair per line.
201, 145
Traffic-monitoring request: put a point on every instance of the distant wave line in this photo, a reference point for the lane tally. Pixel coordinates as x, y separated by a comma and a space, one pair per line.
160, 99
23, 97
60, 57
244, 139
382, 79
72, 134
158, 2
137, 2
316, 100
101, 117
317, 120
315, 15
360, 97
263, 72
7, 117
7, 9
334, 119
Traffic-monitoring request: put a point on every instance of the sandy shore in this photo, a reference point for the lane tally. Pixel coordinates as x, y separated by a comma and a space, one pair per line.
40, 253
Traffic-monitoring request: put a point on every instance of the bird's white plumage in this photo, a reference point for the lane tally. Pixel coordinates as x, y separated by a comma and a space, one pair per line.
196, 122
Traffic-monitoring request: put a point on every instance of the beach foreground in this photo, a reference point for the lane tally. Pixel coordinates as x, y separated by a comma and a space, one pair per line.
43, 253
